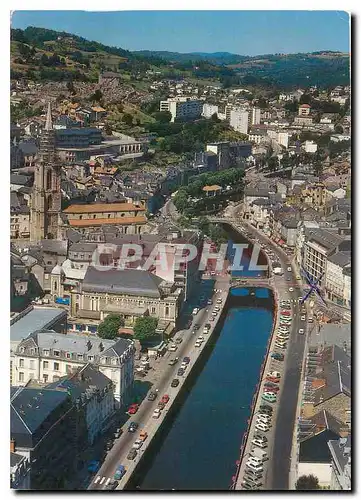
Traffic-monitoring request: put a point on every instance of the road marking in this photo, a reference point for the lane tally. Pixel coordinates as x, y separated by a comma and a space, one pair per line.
102, 480
97, 480
108, 481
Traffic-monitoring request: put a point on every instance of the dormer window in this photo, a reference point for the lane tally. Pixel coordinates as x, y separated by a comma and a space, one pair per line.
68, 355
45, 352
56, 353
80, 357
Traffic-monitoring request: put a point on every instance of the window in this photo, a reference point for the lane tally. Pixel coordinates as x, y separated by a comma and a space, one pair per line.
55, 286
68, 355
56, 353
45, 378
32, 364
21, 377
45, 365
80, 357
167, 310
56, 367
32, 351
153, 310
45, 352
21, 363
90, 358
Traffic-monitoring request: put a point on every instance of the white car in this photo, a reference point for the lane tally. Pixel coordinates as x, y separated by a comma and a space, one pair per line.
219, 301
173, 347
259, 443
262, 427
184, 366
156, 413
195, 311
289, 269
290, 289
256, 468
301, 331
254, 461
303, 318
198, 344
200, 339
265, 421
205, 330
137, 444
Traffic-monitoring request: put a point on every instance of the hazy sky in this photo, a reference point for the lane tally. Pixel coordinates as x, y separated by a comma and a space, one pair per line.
239, 32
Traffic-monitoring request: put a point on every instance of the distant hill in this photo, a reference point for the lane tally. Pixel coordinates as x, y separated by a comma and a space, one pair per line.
53, 55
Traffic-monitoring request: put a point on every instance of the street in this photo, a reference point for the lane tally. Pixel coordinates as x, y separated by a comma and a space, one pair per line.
161, 378
280, 459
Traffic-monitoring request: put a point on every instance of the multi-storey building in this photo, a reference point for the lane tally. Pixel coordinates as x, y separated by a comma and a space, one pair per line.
336, 281
93, 392
209, 110
182, 108
45, 431
129, 217
239, 120
47, 356
341, 463
129, 292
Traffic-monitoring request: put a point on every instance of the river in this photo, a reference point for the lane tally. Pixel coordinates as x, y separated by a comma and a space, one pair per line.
199, 445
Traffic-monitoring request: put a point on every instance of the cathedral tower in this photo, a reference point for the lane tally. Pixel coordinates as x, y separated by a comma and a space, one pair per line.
46, 195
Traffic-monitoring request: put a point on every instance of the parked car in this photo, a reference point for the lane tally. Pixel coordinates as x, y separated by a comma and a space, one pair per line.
265, 408
301, 331
138, 443
133, 426
133, 408
184, 366
172, 362
173, 347
111, 486
198, 344
208, 326
180, 372
156, 413
277, 356
178, 340
262, 427
165, 398
186, 360
161, 405
109, 445
270, 397
118, 433
258, 468
209, 302
152, 396
119, 472
259, 443
132, 454
200, 339
195, 311
143, 435
196, 327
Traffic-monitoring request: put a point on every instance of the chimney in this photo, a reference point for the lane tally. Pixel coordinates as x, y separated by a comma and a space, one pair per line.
12, 446
101, 347
89, 345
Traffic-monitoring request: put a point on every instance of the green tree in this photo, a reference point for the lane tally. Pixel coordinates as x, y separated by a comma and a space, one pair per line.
144, 328
307, 483
338, 129
97, 96
162, 116
108, 329
127, 119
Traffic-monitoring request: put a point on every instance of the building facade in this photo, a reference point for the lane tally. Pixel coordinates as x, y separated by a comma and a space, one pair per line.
47, 356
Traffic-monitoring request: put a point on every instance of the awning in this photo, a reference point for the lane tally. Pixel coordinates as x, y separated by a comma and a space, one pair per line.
83, 313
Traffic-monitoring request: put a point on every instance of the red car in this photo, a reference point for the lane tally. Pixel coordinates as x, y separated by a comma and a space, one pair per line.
272, 388
273, 379
133, 409
165, 399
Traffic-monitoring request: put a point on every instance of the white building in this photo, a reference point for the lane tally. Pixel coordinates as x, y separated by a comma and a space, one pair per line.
310, 147
182, 108
239, 121
47, 356
335, 278
255, 116
209, 110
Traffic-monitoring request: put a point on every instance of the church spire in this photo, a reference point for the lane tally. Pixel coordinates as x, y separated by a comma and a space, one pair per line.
49, 121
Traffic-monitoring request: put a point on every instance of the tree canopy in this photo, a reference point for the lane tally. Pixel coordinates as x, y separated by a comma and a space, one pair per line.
309, 482
108, 329
144, 328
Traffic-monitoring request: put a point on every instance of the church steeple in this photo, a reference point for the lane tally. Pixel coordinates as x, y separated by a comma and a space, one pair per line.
49, 120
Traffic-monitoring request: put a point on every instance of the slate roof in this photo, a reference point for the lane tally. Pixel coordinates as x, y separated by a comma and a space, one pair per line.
340, 258
28, 147
83, 246
339, 451
29, 409
36, 319
327, 239
20, 180
60, 247
128, 281
336, 371
85, 380
15, 459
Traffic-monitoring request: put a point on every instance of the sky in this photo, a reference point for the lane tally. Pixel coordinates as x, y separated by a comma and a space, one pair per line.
238, 32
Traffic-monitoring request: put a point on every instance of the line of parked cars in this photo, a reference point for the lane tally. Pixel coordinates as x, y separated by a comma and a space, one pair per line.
254, 470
